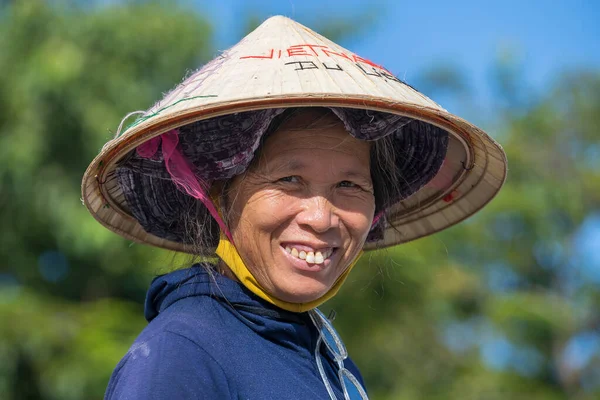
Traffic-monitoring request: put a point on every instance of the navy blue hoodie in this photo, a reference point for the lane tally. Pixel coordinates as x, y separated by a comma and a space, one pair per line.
211, 338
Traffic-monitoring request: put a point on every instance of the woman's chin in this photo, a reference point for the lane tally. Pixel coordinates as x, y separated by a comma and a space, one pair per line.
300, 282
301, 290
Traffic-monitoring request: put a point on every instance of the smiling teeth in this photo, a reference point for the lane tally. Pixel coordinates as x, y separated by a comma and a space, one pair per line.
311, 257
319, 257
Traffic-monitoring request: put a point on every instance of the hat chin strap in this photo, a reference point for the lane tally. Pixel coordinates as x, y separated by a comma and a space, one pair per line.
230, 256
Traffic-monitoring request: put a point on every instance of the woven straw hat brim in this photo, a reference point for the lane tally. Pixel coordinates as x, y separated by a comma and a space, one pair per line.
284, 64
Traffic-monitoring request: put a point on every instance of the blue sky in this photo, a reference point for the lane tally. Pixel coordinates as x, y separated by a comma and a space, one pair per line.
547, 37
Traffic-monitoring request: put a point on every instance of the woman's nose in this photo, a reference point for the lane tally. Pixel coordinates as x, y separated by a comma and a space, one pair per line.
319, 214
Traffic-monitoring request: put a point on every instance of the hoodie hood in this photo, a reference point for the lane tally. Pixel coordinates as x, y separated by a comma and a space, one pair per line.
166, 290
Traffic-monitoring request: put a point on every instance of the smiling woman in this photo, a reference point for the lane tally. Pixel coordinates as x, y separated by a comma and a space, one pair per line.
283, 182
304, 207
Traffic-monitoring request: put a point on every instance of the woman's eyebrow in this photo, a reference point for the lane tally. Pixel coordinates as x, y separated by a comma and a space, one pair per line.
351, 173
288, 164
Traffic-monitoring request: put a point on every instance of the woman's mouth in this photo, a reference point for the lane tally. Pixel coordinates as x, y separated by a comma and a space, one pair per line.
310, 255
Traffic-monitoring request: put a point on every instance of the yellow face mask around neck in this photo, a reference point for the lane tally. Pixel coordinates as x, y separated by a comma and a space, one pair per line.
230, 256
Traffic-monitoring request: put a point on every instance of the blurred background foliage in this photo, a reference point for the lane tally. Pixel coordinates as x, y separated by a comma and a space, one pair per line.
503, 306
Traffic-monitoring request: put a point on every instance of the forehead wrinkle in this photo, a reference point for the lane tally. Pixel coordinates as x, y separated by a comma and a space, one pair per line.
286, 148
298, 166
320, 135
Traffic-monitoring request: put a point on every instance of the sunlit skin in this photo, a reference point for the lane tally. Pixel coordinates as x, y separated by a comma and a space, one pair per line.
309, 186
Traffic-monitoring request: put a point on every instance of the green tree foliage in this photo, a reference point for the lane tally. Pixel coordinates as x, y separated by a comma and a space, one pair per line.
503, 306
71, 291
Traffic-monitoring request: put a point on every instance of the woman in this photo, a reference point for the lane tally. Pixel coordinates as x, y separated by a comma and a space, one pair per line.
280, 161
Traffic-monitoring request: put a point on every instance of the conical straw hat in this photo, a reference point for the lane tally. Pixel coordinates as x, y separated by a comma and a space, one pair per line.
283, 64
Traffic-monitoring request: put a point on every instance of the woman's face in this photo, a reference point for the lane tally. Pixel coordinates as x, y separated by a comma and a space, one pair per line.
302, 212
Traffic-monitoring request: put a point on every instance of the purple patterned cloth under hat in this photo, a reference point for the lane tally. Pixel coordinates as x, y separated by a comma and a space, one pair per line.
222, 147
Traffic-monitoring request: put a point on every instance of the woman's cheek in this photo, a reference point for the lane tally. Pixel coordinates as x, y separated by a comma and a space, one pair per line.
270, 208
359, 209
265, 198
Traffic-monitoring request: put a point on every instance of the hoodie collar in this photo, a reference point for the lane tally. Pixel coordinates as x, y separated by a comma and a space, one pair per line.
198, 281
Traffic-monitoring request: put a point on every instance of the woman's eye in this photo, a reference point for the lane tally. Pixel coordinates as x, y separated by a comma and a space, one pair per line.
290, 179
348, 184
